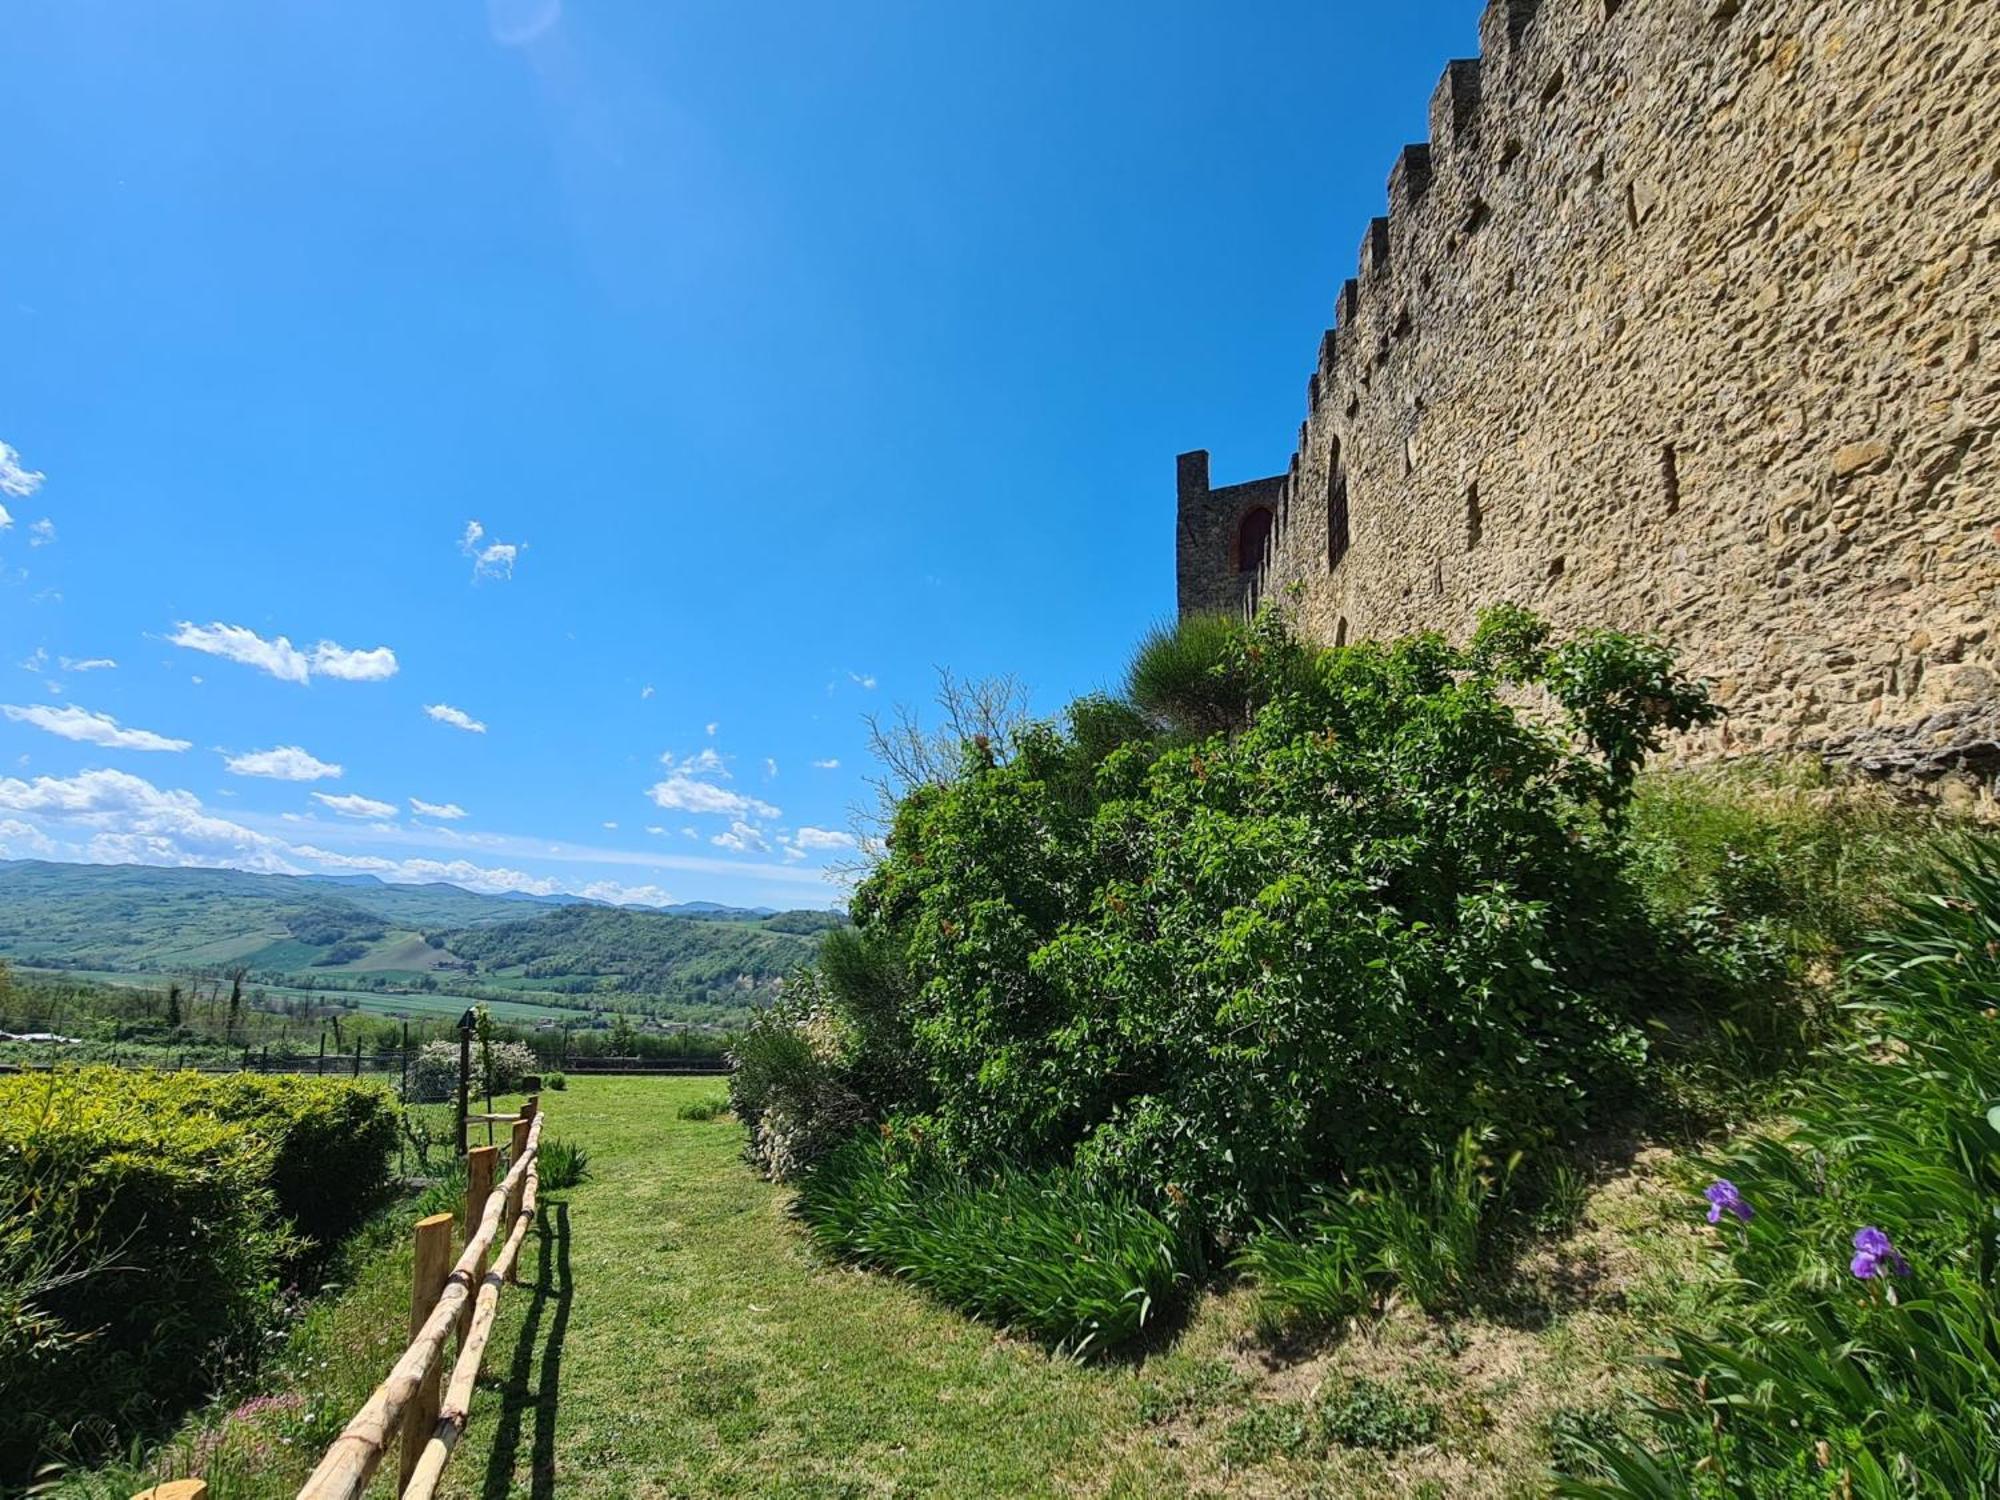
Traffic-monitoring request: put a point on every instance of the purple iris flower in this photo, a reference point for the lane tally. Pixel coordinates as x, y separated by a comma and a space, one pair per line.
1724, 1199
1876, 1255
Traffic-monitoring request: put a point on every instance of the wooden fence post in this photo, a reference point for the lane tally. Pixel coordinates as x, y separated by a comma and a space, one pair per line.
528, 1109
433, 1266
478, 1188
520, 1146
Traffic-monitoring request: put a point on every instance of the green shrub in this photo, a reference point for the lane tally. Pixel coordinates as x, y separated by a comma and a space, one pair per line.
563, 1164
1041, 1252
434, 1070
1383, 909
1422, 1235
555, 1082
1844, 1363
173, 1204
708, 1107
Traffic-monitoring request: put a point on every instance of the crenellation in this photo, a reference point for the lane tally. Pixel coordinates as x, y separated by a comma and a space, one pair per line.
1634, 314
1454, 104
1409, 179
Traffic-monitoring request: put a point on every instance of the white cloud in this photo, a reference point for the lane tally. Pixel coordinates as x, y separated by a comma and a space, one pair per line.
489, 559
444, 810
6, 521
829, 764
16, 478
612, 826
628, 895
865, 680
744, 838
283, 660
708, 763
685, 794
349, 805
88, 664
238, 643
36, 660
131, 821
770, 766
823, 838
73, 723
458, 718
422, 871
20, 840
712, 728
331, 659
282, 763
654, 828
42, 533
646, 691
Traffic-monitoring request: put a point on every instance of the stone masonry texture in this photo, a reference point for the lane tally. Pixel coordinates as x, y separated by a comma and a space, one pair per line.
1684, 322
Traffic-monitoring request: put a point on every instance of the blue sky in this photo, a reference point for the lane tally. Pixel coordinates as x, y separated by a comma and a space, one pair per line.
574, 415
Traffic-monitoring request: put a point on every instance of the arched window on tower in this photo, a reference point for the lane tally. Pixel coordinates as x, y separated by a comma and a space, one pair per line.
1253, 539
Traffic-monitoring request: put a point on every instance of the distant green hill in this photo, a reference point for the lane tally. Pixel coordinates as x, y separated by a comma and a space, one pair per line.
362, 932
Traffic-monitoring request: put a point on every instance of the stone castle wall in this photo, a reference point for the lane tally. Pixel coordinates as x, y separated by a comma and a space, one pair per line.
1686, 321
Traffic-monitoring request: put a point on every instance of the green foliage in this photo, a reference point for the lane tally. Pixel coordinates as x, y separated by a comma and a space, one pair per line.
561, 1163
1042, 1252
1355, 1413
1189, 675
500, 1064
1374, 916
555, 1082
709, 1107
1816, 1378
1422, 1236
150, 1217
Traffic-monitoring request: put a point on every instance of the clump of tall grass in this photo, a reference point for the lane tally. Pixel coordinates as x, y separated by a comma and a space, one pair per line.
1857, 1354
561, 1163
1419, 1235
1042, 1252
708, 1107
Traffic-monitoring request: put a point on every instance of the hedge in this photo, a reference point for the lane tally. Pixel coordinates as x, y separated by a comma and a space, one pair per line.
148, 1222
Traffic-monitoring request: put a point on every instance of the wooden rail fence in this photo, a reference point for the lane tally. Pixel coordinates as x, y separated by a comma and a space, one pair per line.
417, 1408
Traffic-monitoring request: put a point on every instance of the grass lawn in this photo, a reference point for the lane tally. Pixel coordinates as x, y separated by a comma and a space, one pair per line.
675, 1336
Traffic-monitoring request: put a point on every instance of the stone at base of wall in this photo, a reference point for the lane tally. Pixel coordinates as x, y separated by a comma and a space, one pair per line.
1951, 757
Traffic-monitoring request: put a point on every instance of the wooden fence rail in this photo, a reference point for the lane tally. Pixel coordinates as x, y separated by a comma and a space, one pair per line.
409, 1405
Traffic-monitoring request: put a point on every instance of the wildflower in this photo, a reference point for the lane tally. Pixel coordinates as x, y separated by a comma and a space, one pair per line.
1875, 1254
1724, 1199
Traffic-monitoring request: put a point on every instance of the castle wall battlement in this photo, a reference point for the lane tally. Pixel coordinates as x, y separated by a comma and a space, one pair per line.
1683, 321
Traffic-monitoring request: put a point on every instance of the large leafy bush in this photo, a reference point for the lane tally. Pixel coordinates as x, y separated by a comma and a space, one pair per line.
149, 1221
1284, 919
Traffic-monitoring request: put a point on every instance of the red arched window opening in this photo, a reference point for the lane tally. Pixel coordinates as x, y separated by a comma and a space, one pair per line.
1253, 539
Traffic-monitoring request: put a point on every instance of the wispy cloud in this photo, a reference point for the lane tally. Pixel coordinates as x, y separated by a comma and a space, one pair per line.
73, 723
490, 559
770, 765
16, 478
864, 680
280, 658
829, 764
707, 763
349, 805
444, 811
744, 838
457, 718
684, 793
712, 728
331, 660
42, 533
646, 691
88, 664
823, 838
282, 763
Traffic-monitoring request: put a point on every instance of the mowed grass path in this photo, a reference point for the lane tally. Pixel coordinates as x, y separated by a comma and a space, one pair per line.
676, 1335
697, 1346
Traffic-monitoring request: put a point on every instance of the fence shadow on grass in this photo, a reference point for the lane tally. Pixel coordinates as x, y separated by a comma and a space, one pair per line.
534, 1385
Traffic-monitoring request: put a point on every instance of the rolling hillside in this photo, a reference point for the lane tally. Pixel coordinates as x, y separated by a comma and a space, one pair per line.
136, 919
